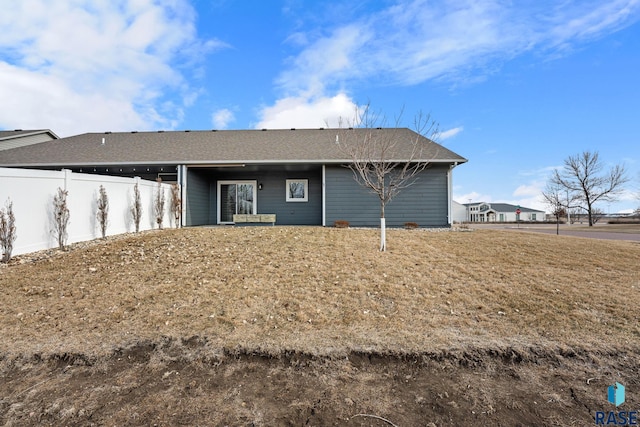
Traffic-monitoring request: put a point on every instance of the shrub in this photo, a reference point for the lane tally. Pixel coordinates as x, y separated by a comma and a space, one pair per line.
410, 225
340, 223
176, 204
61, 217
158, 204
136, 207
103, 211
7, 231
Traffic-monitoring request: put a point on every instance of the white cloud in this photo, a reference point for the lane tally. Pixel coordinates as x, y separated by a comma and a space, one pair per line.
450, 133
418, 40
529, 196
96, 65
533, 189
540, 172
303, 112
222, 118
472, 197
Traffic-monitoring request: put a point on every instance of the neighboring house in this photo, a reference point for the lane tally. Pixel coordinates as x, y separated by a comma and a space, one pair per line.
460, 212
298, 175
501, 212
19, 138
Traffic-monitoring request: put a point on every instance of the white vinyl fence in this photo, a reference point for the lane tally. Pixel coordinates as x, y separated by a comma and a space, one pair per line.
32, 192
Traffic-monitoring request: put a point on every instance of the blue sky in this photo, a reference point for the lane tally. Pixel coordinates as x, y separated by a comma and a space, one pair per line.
516, 86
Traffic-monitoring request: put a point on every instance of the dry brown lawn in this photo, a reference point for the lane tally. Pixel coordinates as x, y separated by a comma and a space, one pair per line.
269, 326
325, 291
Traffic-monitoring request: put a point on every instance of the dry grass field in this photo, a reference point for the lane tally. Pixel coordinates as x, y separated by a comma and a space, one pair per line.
447, 327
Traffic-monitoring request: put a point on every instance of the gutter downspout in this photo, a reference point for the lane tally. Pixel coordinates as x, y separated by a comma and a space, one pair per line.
450, 193
182, 181
324, 204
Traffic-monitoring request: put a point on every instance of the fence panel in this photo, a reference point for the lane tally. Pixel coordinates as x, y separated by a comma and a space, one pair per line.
32, 192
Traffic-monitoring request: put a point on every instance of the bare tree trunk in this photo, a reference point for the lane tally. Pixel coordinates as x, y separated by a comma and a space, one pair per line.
383, 229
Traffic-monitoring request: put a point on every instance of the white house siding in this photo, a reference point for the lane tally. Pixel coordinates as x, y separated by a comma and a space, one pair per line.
460, 213
495, 215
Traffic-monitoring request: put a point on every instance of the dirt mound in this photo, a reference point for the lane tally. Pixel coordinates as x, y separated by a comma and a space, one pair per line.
175, 383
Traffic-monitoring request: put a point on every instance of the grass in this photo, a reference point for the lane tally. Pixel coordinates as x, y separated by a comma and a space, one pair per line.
325, 291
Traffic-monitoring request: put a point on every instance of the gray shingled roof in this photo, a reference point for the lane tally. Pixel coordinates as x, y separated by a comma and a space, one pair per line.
505, 207
207, 147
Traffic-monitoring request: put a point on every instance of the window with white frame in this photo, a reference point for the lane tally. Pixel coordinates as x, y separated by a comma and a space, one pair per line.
297, 190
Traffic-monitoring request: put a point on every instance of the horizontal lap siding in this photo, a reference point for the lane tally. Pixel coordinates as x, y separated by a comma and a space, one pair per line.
272, 197
24, 141
425, 202
197, 198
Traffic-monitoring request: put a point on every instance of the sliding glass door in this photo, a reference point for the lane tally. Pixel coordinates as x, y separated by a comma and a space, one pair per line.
235, 197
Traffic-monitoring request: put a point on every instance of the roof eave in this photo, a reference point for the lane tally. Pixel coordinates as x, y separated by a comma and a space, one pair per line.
210, 162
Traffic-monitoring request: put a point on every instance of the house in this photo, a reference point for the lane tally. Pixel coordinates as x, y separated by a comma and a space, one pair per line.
501, 212
460, 212
19, 138
298, 175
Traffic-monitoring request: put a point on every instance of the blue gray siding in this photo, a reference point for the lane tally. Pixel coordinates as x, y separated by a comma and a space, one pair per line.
197, 197
425, 202
272, 198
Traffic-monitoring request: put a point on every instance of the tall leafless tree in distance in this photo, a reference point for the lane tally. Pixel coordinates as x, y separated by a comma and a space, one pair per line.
382, 160
583, 178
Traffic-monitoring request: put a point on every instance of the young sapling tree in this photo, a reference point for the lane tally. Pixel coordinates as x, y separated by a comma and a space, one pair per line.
7, 231
103, 211
158, 204
176, 203
136, 207
61, 217
386, 161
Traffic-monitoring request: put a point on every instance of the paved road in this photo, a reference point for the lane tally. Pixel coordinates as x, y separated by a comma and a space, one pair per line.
565, 230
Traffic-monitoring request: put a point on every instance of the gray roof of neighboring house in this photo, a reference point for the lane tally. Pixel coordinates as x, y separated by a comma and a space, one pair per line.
504, 207
212, 147
19, 133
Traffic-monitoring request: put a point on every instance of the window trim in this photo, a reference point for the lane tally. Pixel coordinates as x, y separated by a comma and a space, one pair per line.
305, 183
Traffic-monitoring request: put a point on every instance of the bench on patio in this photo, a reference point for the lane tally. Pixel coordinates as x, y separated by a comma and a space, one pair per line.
254, 218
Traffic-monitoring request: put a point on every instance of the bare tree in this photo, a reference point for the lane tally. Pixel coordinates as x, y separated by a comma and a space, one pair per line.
136, 207
382, 160
7, 231
176, 204
103, 211
582, 177
558, 200
61, 217
158, 204
597, 215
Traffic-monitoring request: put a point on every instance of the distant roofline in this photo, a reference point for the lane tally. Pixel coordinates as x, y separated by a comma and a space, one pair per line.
27, 133
524, 208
